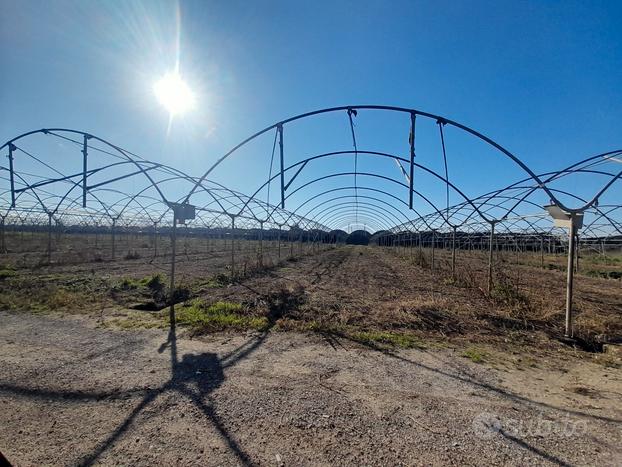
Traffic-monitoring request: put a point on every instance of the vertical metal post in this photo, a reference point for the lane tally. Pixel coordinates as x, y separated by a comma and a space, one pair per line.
279, 241
433, 245
49, 237
2, 237
12, 173
542, 252
280, 130
453, 253
155, 239
261, 244
114, 223
84, 167
411, 180
570, 276
492, 235
578, 252
232, 248
173, 258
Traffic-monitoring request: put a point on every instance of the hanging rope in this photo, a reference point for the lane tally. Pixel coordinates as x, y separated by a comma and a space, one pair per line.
276, 134
39, 160
352, 112
441, 124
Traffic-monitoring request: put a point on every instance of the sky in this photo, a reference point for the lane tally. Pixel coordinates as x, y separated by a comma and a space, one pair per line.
541, 78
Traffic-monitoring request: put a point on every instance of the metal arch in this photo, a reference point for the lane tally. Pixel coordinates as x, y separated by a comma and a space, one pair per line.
67, 130
410, 111
346, 205
340, 174
385, 203
304, 162
350, 219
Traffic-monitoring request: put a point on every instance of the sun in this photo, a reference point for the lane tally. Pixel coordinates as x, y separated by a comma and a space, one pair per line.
174, 94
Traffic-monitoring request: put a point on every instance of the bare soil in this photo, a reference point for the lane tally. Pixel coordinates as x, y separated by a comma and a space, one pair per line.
487, 381
75, 394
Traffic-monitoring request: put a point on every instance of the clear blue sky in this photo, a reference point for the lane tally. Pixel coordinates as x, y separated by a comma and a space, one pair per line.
542, 78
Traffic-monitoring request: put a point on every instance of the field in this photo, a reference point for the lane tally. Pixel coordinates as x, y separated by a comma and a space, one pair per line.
304, 353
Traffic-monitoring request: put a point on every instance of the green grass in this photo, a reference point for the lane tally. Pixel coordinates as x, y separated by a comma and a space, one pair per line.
475, 355
604, 274
218, 316
401, 340
154, 283
7, 273
599, 259
218, 281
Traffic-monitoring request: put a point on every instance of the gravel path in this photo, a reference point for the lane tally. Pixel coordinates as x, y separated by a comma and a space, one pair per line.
73, 394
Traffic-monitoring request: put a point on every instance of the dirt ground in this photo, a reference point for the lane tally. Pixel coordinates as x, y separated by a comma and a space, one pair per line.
482, 380
73, 393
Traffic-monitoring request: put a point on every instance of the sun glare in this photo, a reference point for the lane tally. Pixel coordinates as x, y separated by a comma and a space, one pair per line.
174, 94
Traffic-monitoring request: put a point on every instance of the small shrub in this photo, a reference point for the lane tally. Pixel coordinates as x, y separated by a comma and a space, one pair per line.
61, 298
504, 291
180, 294
154, 283
604, 274
218, 281
129, 284
7, 273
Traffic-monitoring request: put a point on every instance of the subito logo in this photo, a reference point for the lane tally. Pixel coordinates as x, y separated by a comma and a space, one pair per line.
486, 425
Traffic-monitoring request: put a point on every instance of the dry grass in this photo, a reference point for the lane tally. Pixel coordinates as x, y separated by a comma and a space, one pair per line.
364, 293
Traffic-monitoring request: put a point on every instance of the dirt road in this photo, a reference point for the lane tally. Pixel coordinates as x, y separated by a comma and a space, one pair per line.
75, 394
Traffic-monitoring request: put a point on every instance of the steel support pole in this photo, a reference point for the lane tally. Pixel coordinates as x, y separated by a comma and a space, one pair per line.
2, 237
173, 258
433, 247
453, 253
84, 168
12, 173
570, 277
411, 180
492, 235
155, 239
49, 237
279, 241
542, 252
281, 156
261, 244
114, 223
232, 248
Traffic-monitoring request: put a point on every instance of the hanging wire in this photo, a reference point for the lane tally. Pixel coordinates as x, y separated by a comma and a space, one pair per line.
39, 160
352, 112
276, 134
441, 123
95, 148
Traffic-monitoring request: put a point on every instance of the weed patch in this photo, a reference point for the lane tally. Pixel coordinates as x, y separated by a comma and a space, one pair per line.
475, 354
7, 273
404, 341
218, 317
